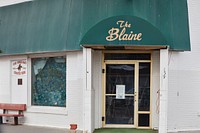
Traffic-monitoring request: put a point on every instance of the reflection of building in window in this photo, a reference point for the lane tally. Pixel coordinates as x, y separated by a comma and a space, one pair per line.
49, 81
144, 86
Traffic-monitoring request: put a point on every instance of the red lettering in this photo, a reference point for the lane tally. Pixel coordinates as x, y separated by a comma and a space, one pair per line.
20, 73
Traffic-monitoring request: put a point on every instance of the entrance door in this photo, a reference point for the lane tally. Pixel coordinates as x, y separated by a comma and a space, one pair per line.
127, 94
119, 93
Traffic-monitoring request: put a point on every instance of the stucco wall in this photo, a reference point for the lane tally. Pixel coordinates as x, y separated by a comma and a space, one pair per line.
155, 88
184, 79
97, 85
5, 80
46, 116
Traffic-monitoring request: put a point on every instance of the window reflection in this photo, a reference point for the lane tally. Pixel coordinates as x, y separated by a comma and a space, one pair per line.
49, 81
119, 111
144, 87
119, 74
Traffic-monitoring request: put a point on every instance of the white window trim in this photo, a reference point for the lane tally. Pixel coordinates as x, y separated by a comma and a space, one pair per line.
48, 110
43, 109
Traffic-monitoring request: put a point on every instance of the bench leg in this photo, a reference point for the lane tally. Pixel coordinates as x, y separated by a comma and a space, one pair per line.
1, 119
16, 120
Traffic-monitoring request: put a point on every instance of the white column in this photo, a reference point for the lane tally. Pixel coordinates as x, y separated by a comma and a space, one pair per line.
163, 90
87, 90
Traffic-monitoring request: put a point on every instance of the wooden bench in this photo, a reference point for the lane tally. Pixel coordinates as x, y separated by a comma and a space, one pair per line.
12, 107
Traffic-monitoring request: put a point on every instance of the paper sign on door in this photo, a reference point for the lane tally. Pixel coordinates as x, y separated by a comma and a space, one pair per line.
120, 91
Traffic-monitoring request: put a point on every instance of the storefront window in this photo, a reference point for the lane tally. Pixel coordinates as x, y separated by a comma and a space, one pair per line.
49, 81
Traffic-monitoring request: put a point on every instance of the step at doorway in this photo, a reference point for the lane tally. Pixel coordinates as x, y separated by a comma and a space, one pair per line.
124, 130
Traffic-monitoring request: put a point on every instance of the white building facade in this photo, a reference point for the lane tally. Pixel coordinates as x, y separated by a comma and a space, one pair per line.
148, 87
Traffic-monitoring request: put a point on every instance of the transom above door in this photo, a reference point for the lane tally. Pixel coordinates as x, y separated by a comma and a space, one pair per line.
127, 90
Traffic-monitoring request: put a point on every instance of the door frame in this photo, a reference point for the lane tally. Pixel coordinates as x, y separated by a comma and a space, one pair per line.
136, 80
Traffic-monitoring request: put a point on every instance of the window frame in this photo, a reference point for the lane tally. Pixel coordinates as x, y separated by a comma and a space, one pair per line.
44, 109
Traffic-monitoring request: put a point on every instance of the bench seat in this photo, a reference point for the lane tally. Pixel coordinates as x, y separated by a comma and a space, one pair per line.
6, 107
12, 115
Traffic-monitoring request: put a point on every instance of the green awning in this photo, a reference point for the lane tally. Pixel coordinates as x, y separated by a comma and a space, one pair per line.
124, 31
64, 25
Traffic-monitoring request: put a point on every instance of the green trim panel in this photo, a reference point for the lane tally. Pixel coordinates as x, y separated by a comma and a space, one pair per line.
60, 25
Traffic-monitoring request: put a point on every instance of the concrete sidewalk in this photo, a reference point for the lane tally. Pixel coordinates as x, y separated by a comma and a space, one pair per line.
186, 132
6, 128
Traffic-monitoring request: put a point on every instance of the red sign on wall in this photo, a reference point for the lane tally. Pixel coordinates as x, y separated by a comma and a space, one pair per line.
19, 67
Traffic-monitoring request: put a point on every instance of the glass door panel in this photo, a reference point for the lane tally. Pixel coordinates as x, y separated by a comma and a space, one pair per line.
144, 94
144, 87
120, 79
119, 111
119, 74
